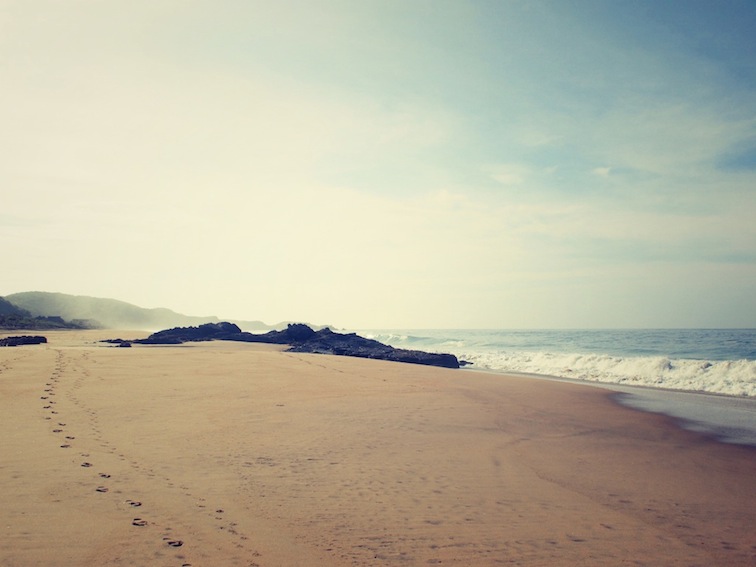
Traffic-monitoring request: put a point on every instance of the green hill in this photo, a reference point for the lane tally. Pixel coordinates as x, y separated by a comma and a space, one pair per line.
14, 317
111, 313
7, 308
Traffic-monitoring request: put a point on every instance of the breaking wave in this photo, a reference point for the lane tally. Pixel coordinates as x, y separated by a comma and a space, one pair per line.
718, 361
730, 377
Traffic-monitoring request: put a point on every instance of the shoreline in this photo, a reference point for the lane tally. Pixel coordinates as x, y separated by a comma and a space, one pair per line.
241, 454
728, 419
718, 361
725, 418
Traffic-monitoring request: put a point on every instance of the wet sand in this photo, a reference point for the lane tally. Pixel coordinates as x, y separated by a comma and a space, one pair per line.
216, 454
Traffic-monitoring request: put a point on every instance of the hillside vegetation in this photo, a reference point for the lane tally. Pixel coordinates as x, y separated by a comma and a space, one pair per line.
109, 313
14, 317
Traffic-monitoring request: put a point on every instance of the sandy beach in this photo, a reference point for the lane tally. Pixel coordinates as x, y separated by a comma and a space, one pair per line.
215, 454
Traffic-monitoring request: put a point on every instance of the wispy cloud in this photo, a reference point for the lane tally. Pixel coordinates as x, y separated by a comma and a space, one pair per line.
450, 161
510, 174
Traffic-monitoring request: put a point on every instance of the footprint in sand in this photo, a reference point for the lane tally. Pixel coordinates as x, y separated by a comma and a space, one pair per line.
134, 503
139, 522
102, 489
104, 475
86, 465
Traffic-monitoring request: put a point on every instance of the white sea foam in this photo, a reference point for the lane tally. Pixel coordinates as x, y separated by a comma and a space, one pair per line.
730, 377
387, 338
721, 361
672, 367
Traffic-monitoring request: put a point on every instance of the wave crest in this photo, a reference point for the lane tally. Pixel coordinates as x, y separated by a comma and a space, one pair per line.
730, 377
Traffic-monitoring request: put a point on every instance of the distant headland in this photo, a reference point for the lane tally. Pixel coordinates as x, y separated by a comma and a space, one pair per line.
14, 317
46, 310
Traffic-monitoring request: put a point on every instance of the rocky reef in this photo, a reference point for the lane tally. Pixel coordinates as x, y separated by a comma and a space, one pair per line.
300, 338
207, 332
22, 340
328, 342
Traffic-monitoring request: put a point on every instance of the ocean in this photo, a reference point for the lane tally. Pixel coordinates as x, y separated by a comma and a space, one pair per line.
718, 361
703, 378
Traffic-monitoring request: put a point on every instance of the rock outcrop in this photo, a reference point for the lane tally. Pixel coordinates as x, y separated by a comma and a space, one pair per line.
22, 340
207, 332
300, 338
328, 342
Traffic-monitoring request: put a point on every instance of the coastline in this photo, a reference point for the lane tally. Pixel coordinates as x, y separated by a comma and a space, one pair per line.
246, 455
720, 361
726, 418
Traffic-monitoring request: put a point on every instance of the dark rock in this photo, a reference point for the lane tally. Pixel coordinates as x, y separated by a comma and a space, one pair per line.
22, 340
301, 338
351, 344
115, 341
297, 333
178, 335
420, 357
293, 334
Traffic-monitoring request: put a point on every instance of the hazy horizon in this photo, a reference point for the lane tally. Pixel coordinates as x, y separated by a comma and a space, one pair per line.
278, 323
385, 165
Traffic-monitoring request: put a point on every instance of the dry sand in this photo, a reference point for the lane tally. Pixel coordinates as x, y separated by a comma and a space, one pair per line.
220, 454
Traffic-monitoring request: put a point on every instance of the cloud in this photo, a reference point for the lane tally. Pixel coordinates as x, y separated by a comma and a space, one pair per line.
512, 174
602, 171
346, 161
668, 139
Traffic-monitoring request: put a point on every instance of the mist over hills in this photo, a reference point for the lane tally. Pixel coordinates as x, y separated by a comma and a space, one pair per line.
14, 317
110, 313
7, 308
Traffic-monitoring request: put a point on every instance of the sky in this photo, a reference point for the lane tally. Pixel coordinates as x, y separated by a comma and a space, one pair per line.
385, 164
